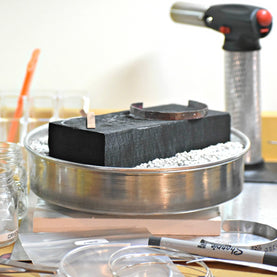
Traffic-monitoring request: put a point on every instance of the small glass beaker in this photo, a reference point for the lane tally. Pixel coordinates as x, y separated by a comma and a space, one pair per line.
8, 106
70, 103
41, 107
8, 207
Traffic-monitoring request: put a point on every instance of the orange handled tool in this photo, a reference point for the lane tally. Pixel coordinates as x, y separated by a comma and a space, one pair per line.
24, 91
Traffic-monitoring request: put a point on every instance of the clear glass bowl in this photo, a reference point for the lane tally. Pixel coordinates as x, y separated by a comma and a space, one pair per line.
90, 260
117, 260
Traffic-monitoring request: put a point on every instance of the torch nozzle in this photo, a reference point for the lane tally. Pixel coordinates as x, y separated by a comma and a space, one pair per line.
188, 13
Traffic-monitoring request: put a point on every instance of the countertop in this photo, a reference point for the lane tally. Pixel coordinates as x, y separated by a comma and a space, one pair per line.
256, 203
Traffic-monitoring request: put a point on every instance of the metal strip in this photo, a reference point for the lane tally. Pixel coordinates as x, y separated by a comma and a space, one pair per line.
254, 228
195, 110
29, 267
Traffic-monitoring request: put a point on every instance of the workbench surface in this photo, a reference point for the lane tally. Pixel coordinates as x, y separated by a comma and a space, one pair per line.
256, 203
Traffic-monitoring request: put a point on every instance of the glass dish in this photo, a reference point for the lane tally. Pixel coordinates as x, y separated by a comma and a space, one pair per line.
85, 260
117, 260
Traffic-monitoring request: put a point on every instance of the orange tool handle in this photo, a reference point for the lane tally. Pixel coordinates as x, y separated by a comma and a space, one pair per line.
24, 91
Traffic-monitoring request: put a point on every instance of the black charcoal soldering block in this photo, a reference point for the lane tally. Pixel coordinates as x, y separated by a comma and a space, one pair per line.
120, 140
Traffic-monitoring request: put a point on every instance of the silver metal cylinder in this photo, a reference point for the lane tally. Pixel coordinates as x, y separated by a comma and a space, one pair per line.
242, 98
188, 13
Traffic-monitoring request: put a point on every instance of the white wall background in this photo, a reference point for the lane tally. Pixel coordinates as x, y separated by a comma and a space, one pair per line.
122, 51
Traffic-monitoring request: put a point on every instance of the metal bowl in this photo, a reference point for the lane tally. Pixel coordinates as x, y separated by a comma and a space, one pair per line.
132, 191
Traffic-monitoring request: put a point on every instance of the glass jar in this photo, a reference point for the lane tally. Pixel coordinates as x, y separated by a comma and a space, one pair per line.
11, 154
10, 147
8, 207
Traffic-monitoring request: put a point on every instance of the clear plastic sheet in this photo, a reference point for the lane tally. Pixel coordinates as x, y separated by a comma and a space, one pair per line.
50, 248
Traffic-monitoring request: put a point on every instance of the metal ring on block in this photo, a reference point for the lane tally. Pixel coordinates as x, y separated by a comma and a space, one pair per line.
195, 110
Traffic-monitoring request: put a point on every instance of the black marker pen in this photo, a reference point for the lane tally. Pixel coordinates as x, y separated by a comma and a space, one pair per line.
215, 250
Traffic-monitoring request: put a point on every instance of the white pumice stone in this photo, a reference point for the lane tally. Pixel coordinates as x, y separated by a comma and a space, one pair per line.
213, 153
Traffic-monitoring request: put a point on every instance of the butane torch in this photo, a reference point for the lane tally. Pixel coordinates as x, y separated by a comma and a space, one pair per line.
242, 26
